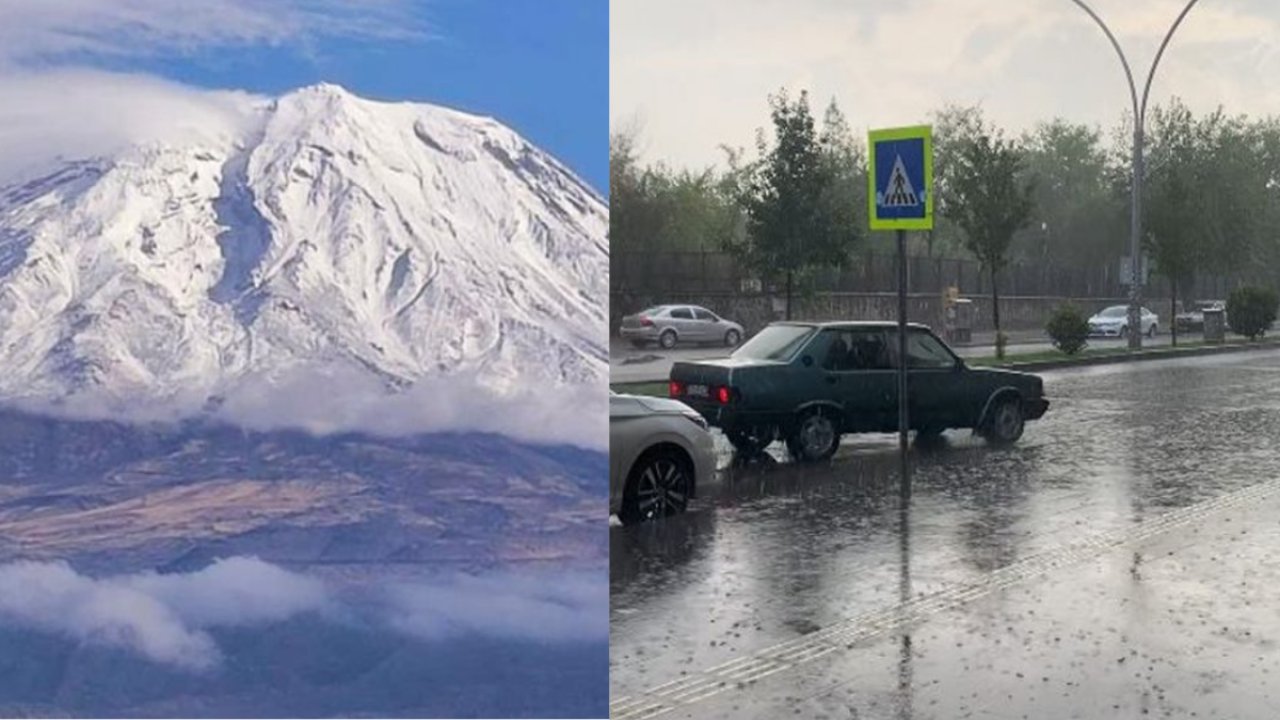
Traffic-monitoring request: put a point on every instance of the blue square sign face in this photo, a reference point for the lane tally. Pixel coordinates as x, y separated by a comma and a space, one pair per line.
901, 176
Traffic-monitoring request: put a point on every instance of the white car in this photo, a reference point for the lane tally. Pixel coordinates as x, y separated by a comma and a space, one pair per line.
659, 450
1114, 322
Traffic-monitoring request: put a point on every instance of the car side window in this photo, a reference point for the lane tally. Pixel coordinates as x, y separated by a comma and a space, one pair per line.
925, 351
681, 314
701, 314
857, 349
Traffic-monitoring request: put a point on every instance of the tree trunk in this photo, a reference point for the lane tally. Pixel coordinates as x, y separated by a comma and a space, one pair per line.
995, 312
1173, 311
789, 294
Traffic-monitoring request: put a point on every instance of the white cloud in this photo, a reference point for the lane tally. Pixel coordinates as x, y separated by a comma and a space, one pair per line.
44, 30
697, 72
573, 607
81, 113
166, 618
327, 400
162, 618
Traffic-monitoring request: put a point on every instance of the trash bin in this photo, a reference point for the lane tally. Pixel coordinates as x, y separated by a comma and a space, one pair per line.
960, 315
1215, 325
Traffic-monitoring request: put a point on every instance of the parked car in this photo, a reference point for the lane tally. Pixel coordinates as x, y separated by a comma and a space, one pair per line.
670, 324
810, 383
1193, 320
659, 451
1114, 322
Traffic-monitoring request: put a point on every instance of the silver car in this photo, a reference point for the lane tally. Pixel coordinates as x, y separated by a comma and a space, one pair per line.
659, 450
671, 324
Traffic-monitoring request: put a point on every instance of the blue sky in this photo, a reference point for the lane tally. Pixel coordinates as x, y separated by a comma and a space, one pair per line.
540, 66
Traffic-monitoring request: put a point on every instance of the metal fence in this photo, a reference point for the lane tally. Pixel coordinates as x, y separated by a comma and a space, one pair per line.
661, 273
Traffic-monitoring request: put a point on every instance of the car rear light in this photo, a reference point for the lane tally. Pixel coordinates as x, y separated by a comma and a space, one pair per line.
646, 322
724, 394
675, 389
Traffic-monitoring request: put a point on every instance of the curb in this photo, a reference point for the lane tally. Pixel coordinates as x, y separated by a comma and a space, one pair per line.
1142, 356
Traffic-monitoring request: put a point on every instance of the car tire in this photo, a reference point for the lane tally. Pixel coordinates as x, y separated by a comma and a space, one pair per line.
1124, 332
667, 339
815, 436
1005, 424
732, 338
659, 485
1152, 332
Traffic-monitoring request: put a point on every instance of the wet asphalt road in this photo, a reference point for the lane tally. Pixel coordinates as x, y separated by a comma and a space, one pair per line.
1123, 560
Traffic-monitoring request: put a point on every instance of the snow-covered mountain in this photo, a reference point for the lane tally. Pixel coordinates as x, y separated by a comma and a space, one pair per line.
406, 240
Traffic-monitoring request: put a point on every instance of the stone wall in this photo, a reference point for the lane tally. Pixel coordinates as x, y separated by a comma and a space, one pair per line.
754, 311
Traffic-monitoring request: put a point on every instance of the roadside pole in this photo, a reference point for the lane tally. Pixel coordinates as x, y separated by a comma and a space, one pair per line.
900, 198
904, 421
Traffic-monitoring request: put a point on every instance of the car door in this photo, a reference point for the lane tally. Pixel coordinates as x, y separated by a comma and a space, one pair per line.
707, 325
856, 373
682, 321
938, 395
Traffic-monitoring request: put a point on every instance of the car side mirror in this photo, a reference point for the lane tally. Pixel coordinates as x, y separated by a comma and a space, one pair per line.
807, 360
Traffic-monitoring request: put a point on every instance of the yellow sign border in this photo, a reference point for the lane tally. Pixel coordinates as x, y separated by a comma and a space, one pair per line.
922, 132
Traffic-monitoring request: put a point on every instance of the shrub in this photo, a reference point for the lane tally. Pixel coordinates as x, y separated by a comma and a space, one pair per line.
1251, 310
1069, 329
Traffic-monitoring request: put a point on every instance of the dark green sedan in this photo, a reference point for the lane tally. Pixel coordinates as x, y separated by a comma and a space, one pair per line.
810, 383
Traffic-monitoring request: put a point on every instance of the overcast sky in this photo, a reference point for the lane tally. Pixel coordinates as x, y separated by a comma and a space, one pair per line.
692, 74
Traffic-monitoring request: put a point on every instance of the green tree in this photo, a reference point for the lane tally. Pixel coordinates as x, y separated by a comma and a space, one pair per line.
798, 213
952, 125
1072, 225
989, 201
1173, 190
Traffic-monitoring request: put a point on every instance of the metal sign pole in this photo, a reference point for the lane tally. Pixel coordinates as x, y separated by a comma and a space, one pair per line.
903, 419
900, 198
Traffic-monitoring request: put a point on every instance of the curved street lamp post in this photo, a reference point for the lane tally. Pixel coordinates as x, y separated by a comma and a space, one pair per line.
1139, 118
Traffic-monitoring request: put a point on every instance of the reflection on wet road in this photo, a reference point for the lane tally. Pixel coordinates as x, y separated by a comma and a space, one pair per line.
1117, 560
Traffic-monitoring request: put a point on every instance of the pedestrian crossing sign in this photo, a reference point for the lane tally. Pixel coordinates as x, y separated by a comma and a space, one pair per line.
900, 179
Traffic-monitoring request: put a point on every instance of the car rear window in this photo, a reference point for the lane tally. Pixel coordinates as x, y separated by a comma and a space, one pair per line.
776, 342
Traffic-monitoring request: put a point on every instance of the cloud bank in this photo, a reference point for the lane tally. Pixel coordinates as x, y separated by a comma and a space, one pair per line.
572, 607
329, 400
164, 618
167, 618
340, 399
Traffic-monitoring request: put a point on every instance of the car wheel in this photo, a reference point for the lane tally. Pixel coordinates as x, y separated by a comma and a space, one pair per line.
815, 437
1124, 331
1152, 332
1006, 422
732, 338
667, 339
659, 486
